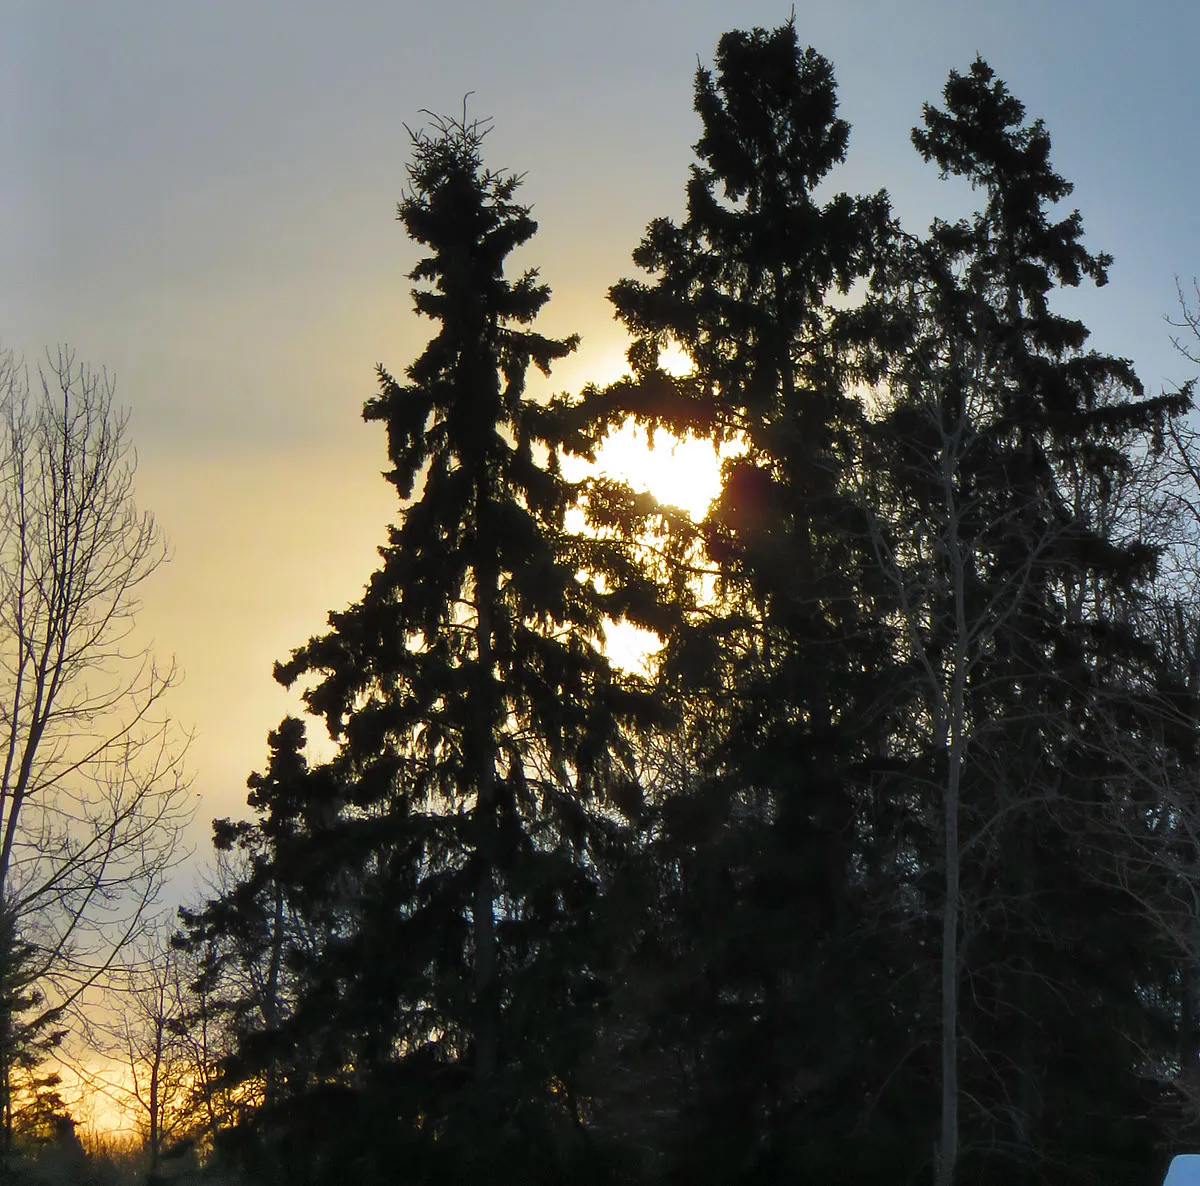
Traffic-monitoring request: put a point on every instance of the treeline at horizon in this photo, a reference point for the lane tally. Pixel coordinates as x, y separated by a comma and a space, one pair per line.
887, 867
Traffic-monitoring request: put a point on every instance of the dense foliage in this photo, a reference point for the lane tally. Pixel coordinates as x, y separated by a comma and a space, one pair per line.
886, 871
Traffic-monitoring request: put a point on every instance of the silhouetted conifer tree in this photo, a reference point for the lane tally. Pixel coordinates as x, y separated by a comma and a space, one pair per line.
272, 914
1015, 604
785, 670
29, 1094
468, 812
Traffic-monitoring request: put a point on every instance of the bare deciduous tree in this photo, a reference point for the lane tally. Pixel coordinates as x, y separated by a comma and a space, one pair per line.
93, 795
146, 1049
936, 530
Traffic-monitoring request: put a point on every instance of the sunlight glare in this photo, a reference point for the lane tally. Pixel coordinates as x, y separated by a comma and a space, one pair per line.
684, 473
681, 472
99, 1093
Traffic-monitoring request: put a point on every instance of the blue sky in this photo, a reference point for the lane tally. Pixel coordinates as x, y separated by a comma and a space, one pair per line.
200, 195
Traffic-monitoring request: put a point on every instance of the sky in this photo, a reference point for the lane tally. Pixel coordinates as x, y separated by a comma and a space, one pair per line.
199, 196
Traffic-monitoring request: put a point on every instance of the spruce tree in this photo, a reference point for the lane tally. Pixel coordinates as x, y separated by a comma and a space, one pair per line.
468, 814
29, 1096
783, 670
1014, 636
272, 902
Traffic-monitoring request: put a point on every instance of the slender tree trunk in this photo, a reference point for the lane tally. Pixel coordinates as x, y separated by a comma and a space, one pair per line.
7, 1034
7, 1086
1025, 1101
205, 1067
270, 1010
487, 1023
954, 731
948, 1146
155, 1133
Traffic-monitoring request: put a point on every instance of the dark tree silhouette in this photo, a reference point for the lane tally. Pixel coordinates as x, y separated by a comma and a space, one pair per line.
785, 668
1013, 601
466, 818
885, 873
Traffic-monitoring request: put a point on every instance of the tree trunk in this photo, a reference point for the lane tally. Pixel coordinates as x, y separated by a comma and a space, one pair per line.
155, 1134
6, 1087
948, 1146
270, 1009
954, 731
487, 1023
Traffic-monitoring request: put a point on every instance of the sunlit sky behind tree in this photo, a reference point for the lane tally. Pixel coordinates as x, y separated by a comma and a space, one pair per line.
200, 196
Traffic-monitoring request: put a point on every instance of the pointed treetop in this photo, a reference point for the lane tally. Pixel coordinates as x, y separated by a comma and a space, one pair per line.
771, 102
982, 136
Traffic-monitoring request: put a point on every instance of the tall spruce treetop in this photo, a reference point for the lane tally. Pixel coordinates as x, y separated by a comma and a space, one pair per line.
742, 282
1016, 256
784, 668
479, 731
974, 337
742, 286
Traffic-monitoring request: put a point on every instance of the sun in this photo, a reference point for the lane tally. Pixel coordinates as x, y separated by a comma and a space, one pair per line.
681, 472
684, 473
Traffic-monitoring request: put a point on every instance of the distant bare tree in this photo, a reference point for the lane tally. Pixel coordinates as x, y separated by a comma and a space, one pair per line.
93, 795
149, 1072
